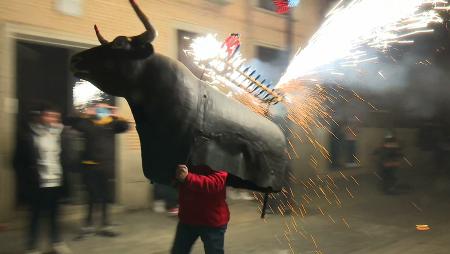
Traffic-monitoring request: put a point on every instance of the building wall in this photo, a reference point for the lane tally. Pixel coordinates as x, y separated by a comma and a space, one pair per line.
7, 187
40, 21
117, 17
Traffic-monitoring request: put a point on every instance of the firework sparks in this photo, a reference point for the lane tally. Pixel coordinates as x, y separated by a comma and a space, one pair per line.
354, 180
343, 176
331, 218
416, 206
349, 193
407, 161
377, 175
345, 222
354, 26
84, 93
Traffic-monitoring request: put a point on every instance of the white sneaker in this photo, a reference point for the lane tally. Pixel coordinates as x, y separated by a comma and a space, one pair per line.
233, 194
61, 248
33, 252
173, 211
108, 231
246, 196
86, 230
159, 206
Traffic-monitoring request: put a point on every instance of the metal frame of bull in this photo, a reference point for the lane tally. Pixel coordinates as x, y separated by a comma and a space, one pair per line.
181, 119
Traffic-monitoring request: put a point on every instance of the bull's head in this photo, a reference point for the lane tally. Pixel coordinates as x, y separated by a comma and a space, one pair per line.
113, 64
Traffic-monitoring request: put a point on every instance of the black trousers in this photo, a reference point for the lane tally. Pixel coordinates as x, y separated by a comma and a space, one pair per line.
334, 152
351, 151
45, 200
186, 235
96, 183
388, 178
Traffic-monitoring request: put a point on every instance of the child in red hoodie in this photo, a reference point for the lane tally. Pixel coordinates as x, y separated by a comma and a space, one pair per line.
203, 209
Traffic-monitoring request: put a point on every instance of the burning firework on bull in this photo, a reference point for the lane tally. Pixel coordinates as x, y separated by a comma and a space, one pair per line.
223, 64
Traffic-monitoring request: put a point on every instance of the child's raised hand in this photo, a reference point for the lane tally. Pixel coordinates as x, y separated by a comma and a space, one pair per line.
181, 172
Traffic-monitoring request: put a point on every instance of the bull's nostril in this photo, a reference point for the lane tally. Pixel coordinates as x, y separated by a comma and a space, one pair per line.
75, 60
74, 63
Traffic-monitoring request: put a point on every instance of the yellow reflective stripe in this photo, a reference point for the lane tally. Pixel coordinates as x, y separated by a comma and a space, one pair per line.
89, 162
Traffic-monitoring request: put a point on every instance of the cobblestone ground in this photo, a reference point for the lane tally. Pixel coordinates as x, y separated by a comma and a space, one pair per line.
369, 222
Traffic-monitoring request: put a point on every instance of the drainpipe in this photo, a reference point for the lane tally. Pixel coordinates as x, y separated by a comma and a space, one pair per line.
289, 32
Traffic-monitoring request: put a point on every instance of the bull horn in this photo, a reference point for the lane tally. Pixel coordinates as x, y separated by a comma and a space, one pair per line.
100, 38
150, 33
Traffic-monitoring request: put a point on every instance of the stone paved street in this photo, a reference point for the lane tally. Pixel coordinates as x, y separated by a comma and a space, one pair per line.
376, 224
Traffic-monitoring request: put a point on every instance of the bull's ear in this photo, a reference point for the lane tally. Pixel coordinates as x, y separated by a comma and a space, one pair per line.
145, 50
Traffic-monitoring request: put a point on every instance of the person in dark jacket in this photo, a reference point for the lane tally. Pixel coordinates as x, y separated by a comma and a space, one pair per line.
41, 173
389, 157
98, 126
203, 211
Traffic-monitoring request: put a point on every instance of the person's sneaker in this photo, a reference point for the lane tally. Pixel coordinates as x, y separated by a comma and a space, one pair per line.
246, 196
108, 231
33, 252
87, 230
61, 248
233, 194
159, 206
173, 211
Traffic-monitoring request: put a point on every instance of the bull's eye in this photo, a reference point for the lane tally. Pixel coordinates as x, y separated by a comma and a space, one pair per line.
120, 42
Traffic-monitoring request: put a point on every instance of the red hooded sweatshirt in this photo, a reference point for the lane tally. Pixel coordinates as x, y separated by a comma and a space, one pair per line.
202, 198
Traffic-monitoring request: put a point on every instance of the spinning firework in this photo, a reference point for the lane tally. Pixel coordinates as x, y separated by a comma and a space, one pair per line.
223, 64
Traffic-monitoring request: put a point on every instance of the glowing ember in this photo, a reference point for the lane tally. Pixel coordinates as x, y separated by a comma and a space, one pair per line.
422, 227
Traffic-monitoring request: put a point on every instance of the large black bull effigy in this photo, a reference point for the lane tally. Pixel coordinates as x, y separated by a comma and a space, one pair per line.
179, 118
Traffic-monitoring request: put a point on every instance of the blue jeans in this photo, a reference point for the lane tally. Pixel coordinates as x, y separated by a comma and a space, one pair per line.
212, 238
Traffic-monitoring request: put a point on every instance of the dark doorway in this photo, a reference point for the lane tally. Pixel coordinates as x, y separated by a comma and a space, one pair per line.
42, 74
